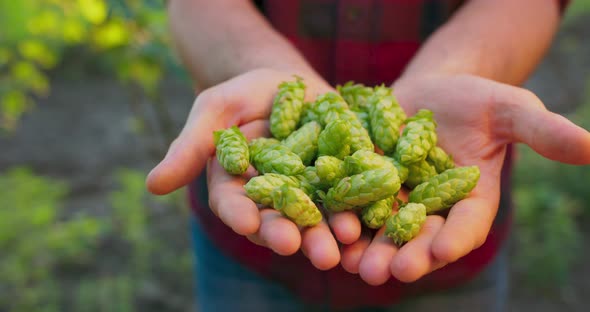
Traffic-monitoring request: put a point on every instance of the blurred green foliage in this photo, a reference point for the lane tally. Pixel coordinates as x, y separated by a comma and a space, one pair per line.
576, 9
128, 38
126, 259
37, 239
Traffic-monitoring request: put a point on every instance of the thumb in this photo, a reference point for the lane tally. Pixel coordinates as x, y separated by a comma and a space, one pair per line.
524, 118
218, 108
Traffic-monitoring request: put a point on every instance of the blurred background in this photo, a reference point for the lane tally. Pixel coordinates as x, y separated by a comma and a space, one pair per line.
90, 94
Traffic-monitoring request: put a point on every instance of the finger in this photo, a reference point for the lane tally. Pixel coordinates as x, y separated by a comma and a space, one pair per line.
320, 246
523, 118
346, 226
468, 222
228, 200
214, 109
256, 239
353, 253
278, 233
374, 266
415, 259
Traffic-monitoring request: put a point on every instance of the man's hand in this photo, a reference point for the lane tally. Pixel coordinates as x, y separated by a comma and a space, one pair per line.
476, 118
246, 101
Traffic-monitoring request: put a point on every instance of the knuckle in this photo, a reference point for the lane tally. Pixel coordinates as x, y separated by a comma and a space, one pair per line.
529, 97
216, 100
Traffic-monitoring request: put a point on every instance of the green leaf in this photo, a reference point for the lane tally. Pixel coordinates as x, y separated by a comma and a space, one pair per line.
37, 51
28, 76
5, 56
13, 105
111, 35
45, 23
74, 31
95, 11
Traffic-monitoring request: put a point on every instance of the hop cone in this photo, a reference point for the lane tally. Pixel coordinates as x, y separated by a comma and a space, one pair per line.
375, 214
445, 189
362, 189
278, 159
363, 160
307, 114
363, 117
440, 159
260, 187
287, 108
360, 138
310, 174
309, 181
330, 170
406, 223
258, 144
419, 172
294, 204
402, 170
232, 150
356, 95
325, 105
417, 139
335, 139
304, 141
386, 118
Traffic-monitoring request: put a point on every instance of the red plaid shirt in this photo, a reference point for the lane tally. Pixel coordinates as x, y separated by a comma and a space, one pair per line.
370, 42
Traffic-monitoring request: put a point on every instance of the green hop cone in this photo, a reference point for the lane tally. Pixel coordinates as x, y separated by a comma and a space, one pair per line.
331, 106
362, 189
335, 139
258, 144
310, 174
356, 95
406, 223
360, 138
363, 117
417, 139
260, 187
232, 150
294, 204
440, 159
278, 159
326, 104
329, 170
304, 141
375, 214
309, 181
386, 118
445, 189
287, 108
402, 170
419, 172
363, 160
307, 114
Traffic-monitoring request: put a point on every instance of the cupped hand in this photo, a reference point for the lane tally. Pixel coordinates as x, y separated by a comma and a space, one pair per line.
246, 101
476, 119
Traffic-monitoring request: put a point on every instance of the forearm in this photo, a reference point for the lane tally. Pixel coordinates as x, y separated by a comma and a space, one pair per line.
220, 39
502, 40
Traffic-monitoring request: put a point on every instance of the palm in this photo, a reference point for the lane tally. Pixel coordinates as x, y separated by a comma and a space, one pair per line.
246, 101
476, 119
